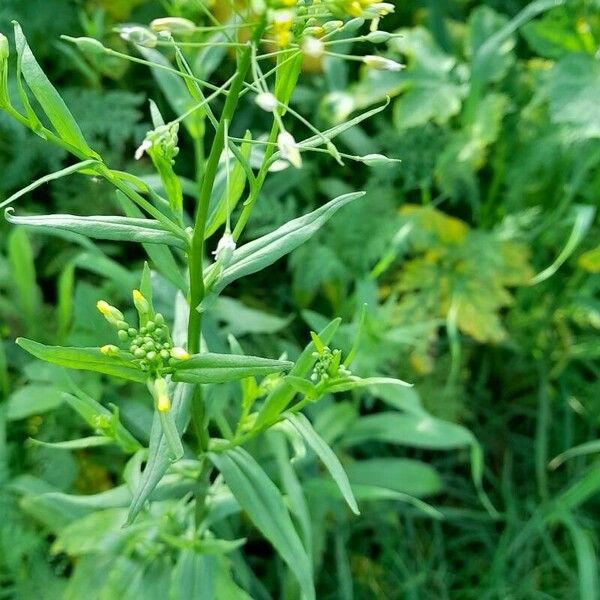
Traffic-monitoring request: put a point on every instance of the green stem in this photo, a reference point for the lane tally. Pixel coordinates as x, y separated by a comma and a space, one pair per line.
260, 178
197, 245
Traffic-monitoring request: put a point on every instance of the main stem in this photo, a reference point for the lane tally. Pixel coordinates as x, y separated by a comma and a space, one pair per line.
197, 244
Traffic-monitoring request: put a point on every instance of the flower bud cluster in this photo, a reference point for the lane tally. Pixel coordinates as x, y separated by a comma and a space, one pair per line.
161, 143
328, 365
150, 345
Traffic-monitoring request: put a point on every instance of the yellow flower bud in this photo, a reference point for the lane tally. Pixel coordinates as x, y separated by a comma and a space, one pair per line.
163, 404
161, 393
179, 353
109, 350
110, 313
140, 302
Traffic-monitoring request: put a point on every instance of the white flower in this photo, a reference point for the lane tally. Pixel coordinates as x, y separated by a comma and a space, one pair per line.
289, 149
382, 8
143, 147
313, 47
179, 353
266, 101
225, 248
381, 64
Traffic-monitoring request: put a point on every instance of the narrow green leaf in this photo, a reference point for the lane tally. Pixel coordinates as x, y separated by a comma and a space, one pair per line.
584, 217
404, 475
282, 395
351, 383
32, 399
122, 229
237, 181
86, 359
263, 503
171, 435
327, 456
76, 168
49, 99
591, 447
329, 134
99, 417
160, 255
87, 442
22, 270
219, 368
64, 304
158, 450
193, 577
264, 251
587, 561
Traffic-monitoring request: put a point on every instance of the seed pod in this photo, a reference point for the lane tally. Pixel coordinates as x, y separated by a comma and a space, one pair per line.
87, 45
173, 24
378, 37
381, 64
376, 160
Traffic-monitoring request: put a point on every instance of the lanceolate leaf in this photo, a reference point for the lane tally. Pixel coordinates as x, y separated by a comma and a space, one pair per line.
219, 368
160, 255
158, 451
49, 99
76, 168
326, 454
262, 501
124, 229
86, 359
87, 442
283, 394
258, 254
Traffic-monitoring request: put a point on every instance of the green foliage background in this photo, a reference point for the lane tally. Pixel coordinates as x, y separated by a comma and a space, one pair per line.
477, 255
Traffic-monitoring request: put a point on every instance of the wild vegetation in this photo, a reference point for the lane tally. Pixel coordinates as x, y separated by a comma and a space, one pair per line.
299, 299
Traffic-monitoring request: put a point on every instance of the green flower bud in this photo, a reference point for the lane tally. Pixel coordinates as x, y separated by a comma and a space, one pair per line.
131, 332
122, 335
87, 45
139, 35
151, 356
122, 326
140, 353
159, 319
376, 160
379, 37
165, 354
150, 326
